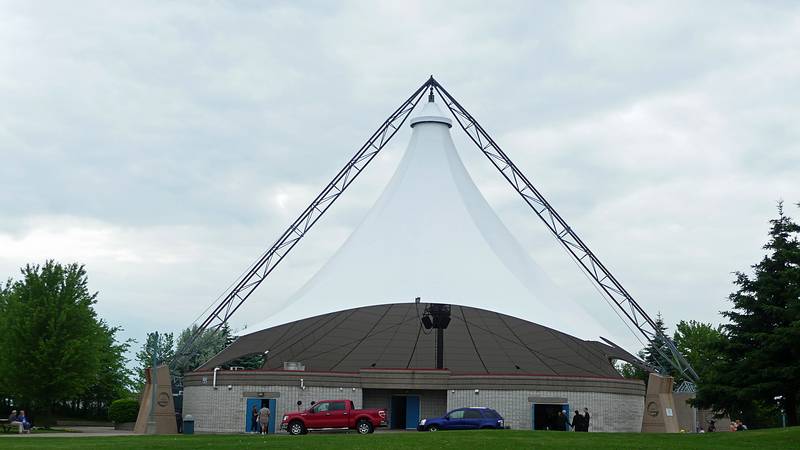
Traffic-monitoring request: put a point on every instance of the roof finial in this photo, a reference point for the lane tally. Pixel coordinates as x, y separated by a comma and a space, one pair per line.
430, 96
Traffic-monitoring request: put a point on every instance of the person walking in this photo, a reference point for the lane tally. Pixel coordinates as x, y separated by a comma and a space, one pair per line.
263, 419
254, 428
563, 420
586, 417
577, 421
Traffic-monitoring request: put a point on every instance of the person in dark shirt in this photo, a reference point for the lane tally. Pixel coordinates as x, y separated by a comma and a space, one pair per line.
585, 420
254, 425
577, 421
563, 421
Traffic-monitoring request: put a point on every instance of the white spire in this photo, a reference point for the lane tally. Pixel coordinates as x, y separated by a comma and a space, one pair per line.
431, 114
431, 234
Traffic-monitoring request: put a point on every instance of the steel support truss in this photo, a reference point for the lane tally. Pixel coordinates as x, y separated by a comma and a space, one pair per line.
588, 261
244, 287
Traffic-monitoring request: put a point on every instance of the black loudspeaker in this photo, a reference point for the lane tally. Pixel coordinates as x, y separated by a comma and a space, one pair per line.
426, 322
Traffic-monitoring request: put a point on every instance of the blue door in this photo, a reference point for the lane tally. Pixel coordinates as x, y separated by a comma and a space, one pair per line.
258, 403
248, 412
412, 411
270, 403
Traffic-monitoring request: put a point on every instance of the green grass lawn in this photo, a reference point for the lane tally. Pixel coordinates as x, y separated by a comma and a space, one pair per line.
764, 440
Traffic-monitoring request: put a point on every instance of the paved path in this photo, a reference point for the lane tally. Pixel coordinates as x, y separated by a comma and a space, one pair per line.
79, 432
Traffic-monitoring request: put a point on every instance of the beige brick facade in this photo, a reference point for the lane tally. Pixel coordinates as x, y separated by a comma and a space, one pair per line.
224, 410
609, 411
614, 404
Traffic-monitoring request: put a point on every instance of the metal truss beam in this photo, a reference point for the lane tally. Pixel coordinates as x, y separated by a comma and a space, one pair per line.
587, 260
235, 297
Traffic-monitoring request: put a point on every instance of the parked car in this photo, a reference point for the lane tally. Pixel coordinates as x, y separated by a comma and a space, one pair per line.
332, 415
464, 419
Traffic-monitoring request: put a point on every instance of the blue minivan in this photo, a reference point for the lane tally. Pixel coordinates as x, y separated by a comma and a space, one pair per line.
463, 419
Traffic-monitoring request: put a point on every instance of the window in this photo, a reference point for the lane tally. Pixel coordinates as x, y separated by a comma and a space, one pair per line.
322, 407
457, 414
337, 406
472, 414
490, 413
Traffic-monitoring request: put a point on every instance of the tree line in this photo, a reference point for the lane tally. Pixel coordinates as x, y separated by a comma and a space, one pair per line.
58, 358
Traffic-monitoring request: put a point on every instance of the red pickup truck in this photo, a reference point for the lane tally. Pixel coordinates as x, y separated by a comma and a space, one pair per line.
332, 415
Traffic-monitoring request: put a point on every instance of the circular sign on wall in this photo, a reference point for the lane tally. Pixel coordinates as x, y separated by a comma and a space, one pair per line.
163, 399
652, 409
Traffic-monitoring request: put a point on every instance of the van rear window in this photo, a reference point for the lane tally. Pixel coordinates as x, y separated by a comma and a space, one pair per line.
491, 414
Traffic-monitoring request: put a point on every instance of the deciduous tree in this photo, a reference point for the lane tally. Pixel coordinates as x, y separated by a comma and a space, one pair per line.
162, 345
699, 343
54, 346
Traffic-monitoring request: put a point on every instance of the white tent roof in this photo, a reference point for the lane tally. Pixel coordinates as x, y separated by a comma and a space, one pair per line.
431, 234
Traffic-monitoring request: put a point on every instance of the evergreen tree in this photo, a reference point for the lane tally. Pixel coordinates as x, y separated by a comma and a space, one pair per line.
760, 360
651, 353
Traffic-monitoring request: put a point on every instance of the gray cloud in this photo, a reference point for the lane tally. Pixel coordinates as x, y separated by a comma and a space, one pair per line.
167, 145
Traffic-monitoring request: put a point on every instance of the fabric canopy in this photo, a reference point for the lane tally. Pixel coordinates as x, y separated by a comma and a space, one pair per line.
431, 234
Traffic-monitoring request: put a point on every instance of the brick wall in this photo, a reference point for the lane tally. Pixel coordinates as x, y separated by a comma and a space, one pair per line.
432, 403
615, 405
224, 411
609, 412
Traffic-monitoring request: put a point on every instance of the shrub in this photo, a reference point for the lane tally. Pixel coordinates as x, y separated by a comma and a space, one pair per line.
123, 410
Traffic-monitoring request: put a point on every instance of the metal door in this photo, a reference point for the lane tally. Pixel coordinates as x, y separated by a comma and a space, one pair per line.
248, 421
412, 411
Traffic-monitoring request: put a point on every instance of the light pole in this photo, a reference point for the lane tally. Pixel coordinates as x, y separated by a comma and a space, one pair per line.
151, 421
783, 411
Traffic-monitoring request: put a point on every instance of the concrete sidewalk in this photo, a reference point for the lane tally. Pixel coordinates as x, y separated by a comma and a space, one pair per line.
78, 432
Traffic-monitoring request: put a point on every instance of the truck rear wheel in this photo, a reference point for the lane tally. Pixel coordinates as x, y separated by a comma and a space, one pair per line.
296, 427
364, 427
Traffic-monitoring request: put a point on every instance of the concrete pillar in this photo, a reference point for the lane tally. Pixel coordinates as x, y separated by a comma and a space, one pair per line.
164, 413
660, 415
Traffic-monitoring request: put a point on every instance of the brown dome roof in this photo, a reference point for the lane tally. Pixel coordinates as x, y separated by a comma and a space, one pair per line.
391, 336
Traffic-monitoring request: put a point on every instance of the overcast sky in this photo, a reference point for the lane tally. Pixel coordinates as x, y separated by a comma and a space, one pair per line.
165, 145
